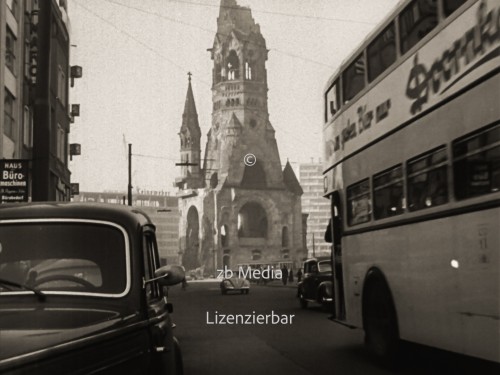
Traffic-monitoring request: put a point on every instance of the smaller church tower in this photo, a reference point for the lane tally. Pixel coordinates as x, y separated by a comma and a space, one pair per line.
190, 135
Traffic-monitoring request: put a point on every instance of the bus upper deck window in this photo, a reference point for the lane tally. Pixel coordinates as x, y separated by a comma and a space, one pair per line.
452, 5
332, 101
354, 78
416, 21
381, 52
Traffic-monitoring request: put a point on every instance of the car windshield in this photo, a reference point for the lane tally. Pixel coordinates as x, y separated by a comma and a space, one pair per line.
325, 266
63, 257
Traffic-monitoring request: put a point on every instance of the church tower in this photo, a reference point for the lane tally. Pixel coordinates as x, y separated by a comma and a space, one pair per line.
246, 210
190, 136
240, 118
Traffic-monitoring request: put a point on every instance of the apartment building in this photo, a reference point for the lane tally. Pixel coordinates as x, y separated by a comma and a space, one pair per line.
38, 144
315, 206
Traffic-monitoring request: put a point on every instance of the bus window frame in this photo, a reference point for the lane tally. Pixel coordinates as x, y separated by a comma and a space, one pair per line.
430, 170
392, 182
461, 185
349, 200
344, 96
392, 24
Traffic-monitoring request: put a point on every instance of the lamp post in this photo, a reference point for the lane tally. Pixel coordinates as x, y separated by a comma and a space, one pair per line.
130, 174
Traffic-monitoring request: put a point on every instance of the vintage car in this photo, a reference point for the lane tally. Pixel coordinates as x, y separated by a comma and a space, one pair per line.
316, 285
82, 291
235, 284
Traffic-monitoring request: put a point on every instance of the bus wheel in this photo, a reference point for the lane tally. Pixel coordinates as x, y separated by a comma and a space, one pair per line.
380, 323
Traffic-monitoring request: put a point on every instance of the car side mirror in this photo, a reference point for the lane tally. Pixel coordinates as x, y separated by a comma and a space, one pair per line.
168, 275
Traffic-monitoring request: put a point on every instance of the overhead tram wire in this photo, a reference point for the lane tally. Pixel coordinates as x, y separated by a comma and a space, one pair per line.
151, 49
299, 141
213, 32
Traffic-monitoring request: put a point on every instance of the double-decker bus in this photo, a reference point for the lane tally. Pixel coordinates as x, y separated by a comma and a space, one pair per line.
412, 171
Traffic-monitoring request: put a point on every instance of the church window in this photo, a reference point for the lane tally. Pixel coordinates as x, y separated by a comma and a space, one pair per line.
256, 255
224, 236
214, 180
248, 71
253, 123
252, 221
284, 237
218, 73
233, 66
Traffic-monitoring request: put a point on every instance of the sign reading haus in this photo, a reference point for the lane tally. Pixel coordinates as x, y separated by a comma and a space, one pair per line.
13, 181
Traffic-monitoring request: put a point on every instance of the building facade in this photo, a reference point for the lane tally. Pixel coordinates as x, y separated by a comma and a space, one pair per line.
42, 142
315, 206
237, 205
159, 206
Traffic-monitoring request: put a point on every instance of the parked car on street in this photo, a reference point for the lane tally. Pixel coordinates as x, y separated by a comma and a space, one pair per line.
82, 291
316, 285
235, 284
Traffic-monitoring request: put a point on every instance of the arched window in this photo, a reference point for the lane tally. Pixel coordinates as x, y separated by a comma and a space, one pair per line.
256, 254
252, 221
284, 237
233, 66
214, 180
218, 73
248, 71
224, 235
226, 261
190, 259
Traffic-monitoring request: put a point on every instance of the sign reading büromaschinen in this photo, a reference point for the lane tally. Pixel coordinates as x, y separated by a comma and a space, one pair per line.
13, 181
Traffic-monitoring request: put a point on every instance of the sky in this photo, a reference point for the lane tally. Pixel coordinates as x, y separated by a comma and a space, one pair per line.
136, 55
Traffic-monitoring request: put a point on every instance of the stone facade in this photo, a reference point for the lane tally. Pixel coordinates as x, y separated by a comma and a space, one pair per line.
237, 210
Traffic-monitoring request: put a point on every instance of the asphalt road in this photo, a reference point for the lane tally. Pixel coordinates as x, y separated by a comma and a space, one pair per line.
310, 345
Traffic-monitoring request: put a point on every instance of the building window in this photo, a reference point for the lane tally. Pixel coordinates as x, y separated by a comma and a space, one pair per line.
10, 50
427, 180
9, 128
416, 21
61, 86
28, 127
476, 163
388, 193
61, 143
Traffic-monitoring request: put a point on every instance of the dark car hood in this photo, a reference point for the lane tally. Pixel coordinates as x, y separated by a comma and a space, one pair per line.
31, 330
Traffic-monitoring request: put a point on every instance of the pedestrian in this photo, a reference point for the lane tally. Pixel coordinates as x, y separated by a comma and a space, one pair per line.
184, 283
284, 275
290, 275
299, 275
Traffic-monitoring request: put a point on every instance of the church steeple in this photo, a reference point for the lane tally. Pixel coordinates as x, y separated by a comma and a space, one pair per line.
190, 136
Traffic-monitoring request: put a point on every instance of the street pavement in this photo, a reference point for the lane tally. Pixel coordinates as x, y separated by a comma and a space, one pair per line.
311, 345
